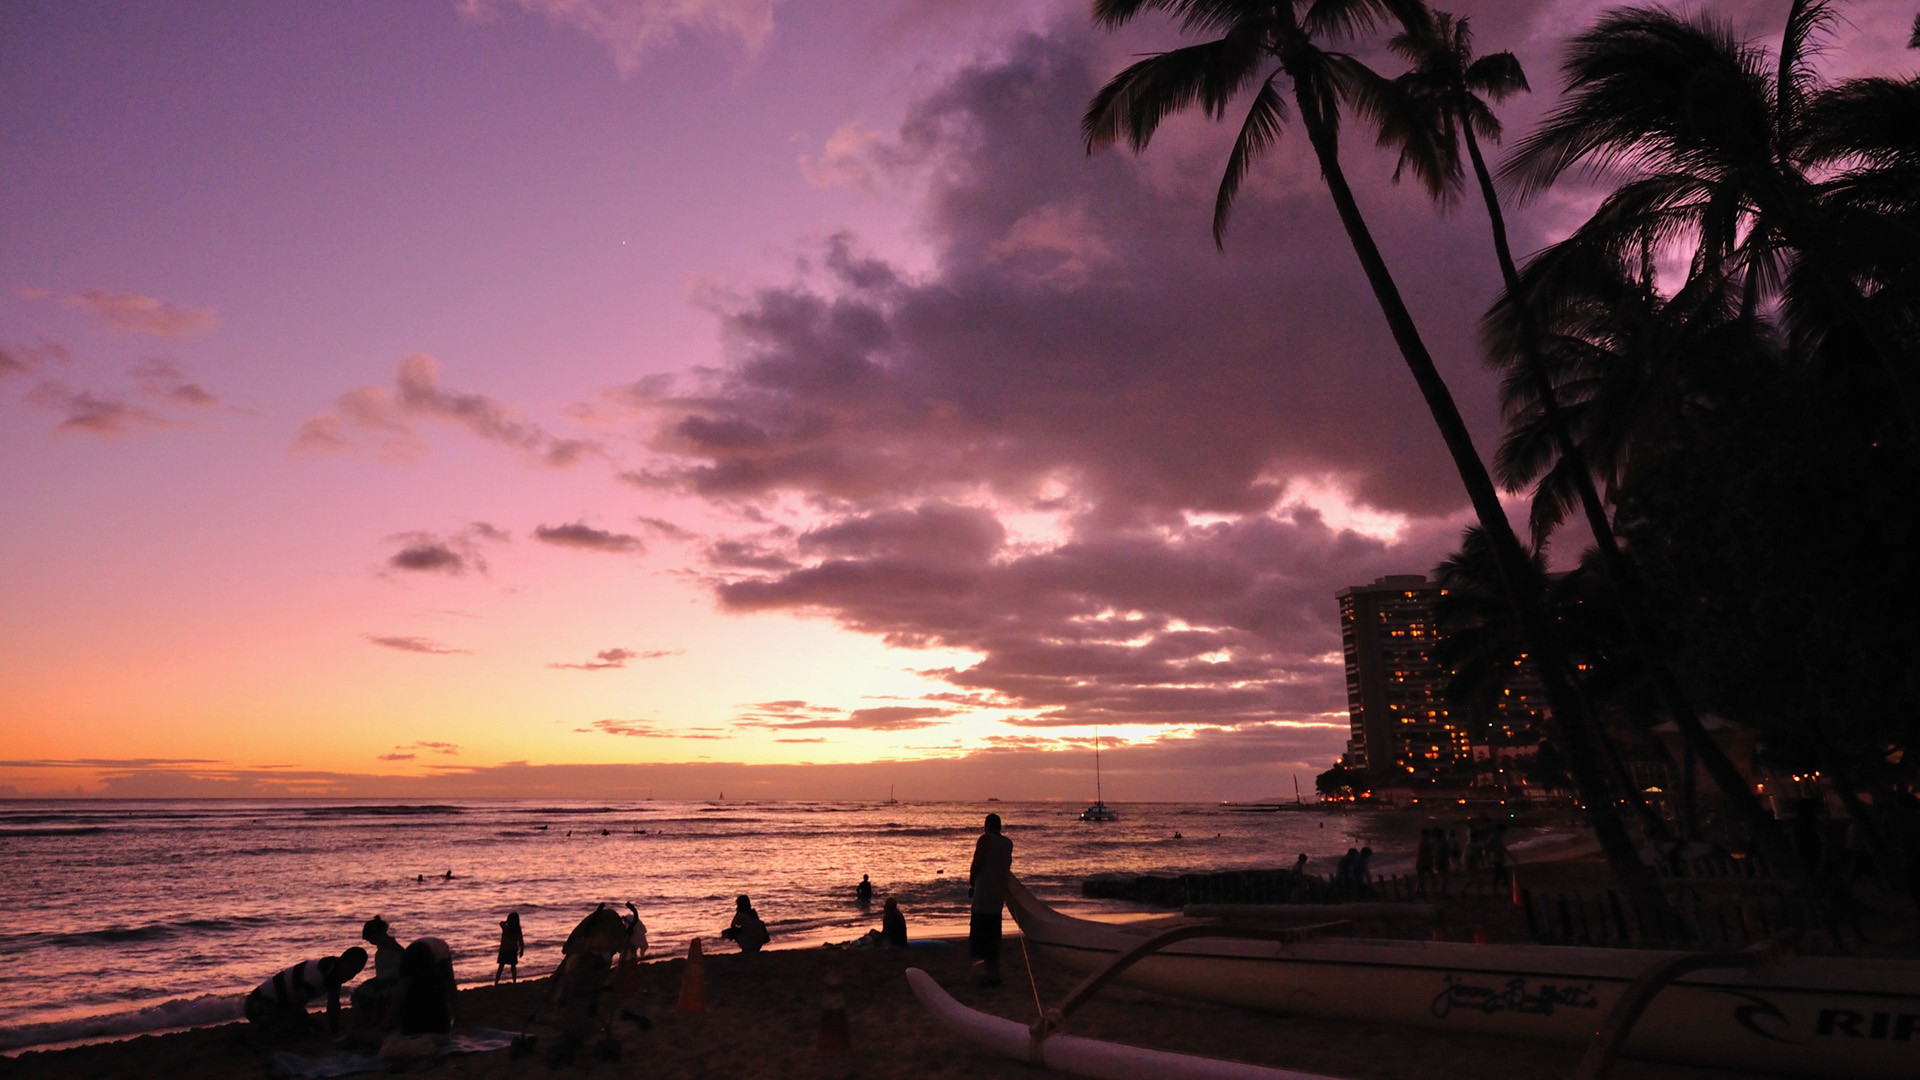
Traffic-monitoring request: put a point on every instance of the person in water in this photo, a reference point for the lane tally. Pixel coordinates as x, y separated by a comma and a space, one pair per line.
863, 892
279, 1005
747, 930
987, 885
513, 945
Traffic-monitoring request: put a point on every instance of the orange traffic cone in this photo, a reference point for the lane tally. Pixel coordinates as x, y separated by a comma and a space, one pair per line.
693, 984
834, 1038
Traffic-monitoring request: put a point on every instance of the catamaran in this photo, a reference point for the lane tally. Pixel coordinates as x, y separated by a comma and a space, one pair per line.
1099, 811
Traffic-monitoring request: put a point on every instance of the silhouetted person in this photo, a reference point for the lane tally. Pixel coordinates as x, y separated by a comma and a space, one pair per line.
513, 945
863, 892
636, 933
372, 999
279, 1005
747, 930
987, 885
893, 925
423, 1004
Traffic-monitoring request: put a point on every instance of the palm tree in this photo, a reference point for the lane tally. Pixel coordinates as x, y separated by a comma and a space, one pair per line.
1259, 42
1480, 645
1719, 151
1430, 113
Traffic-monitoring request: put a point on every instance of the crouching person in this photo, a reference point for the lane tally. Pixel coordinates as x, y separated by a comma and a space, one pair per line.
422, 1012
278, 1007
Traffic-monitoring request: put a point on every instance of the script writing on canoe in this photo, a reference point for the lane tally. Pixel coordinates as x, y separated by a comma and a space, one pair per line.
1515, 996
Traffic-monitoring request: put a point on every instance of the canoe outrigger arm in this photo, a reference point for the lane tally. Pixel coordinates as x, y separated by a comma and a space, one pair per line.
1639, 994
1055, 1019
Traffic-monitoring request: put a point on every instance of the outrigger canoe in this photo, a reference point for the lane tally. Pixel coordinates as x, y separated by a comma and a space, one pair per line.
1796, 1015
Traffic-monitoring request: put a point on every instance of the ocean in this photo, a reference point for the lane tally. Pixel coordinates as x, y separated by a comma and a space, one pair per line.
123, 917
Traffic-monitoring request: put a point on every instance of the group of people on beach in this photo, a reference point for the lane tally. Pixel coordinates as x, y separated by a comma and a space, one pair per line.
407, 1007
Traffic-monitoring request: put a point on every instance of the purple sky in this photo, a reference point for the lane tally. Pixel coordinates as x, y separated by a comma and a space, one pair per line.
581, 396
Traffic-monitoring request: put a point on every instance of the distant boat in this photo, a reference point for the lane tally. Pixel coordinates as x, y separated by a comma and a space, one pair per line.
891, 801
1099, 811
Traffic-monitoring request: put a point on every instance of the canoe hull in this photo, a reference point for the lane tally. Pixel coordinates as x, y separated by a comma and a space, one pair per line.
1814, 1016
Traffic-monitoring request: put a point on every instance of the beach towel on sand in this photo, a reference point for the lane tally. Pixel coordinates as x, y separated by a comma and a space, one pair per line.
349, 1062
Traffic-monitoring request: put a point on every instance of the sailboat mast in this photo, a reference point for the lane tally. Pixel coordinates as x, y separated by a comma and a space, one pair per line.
1097, 796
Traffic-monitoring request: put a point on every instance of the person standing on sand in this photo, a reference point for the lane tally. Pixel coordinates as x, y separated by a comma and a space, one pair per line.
987, 885
513, 945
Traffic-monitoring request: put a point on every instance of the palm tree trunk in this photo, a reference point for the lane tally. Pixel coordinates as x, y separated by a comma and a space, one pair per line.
1523, 591
1760, 824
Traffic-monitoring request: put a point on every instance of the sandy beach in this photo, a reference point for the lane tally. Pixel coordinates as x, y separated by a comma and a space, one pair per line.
764, 1015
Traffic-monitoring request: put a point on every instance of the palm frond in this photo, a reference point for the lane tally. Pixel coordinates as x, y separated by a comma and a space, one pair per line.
1497, 75
1265, 118
1630, 80
1807, 22
1134, 102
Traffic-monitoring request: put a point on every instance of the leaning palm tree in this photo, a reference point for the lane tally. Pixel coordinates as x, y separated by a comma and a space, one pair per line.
1430, 113
1260, 43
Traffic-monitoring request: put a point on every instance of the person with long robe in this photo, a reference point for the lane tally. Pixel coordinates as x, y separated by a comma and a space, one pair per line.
987, 886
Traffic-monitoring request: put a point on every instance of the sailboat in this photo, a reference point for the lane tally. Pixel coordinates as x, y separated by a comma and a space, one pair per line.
1099, 811
891, 801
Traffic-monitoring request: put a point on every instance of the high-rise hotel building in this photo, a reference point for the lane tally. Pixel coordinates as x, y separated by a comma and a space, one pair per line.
1396, 688
1402, 729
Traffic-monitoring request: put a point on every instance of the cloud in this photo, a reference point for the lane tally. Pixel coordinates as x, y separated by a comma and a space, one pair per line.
631, 29
1251, 763
586, 537
164, 379
94, 413
639, 730
854, 156
398, 757
382, 413
1121, 470
882, 718
27, 359
436, 747
414, 644
434, 557
431, 553
142, 314
617, 658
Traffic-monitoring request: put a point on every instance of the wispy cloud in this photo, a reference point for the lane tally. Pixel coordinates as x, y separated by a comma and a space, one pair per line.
882, 718
96, 413
431, 553
382, 413
414, 645
586, 537
142, 314
607, 659
630, 29
164, 379
636, 729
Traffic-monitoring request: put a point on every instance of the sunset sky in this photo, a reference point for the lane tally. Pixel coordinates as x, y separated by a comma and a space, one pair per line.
545, 397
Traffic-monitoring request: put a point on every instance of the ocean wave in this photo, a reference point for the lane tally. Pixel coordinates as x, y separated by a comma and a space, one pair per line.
123, 935
65, 830
177, 1013
381, 811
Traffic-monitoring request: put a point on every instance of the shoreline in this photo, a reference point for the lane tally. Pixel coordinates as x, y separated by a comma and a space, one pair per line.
766, 1011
